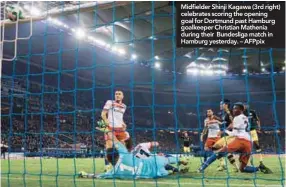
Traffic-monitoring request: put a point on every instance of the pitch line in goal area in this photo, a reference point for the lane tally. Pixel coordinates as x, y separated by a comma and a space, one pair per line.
141, 182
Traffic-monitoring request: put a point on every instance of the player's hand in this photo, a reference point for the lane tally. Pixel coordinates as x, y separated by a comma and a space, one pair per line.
258, 131
102, 124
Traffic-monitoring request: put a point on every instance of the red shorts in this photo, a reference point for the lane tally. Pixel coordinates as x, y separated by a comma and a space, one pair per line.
241, 146
119, 133
211, 141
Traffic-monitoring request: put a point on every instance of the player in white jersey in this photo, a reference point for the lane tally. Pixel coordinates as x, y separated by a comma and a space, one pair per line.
142, 150
212, 129
241, 144
112, 115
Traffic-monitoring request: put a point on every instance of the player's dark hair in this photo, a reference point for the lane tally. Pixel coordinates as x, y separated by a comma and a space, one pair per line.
239, 105
226, 101
112, 155
118, 91
128, 144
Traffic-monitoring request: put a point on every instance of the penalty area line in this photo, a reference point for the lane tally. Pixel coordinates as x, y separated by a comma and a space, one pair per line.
138, 182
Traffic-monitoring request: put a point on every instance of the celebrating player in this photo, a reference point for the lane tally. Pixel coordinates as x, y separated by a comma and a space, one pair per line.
126, 165
211, 128
226, 139
254, 127
187, 142
241, 143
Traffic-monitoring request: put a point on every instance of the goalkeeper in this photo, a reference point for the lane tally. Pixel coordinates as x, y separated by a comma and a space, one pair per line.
127, 165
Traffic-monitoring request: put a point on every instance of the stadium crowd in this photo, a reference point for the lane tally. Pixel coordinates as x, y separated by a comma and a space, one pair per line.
37, 130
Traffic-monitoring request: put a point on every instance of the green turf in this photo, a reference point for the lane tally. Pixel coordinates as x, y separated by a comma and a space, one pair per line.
62, 172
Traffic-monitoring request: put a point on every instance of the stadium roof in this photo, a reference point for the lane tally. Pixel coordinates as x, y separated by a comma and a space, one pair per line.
121, 40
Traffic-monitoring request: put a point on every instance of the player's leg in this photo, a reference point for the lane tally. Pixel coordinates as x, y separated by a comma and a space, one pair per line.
108, 144
232, 147
244, 158
254, 138
221, 142
208, 147
230, 157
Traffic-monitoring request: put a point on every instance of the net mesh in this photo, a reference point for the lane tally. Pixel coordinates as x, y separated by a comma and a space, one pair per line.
64, 60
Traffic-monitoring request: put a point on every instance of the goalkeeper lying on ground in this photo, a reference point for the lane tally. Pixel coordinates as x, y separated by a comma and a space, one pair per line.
128, 166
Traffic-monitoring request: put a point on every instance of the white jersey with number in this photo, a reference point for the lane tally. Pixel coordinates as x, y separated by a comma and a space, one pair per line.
142, 150
240, 127
213, 128
115, 113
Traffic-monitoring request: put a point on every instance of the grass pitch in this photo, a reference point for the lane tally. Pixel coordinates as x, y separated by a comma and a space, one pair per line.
63, 173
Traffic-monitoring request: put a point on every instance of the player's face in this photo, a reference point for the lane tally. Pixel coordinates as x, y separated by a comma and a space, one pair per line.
236, 111
221, 106
119, 96
186, 134
209, 113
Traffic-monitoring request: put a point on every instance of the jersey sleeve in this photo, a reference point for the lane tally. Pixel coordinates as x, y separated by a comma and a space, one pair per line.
108, 105
146, 145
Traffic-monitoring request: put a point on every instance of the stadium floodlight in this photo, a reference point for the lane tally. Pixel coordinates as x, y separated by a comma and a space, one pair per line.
202, 66
35, 12
209, 72
157, 57
57, 22
133, 56
203, 58
80, 33
91, 38
157, 65
108, 46
100, 42
114, 48
193, 71
122, 51
244, 70
283, 68
26, 7
263, 69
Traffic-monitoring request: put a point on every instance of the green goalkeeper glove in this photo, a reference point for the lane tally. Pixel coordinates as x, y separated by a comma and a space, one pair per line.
102, 126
